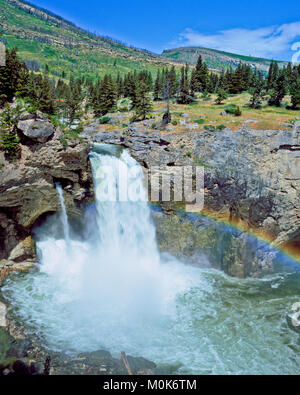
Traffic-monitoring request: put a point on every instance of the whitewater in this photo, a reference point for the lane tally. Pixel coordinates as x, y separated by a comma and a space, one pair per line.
108, 287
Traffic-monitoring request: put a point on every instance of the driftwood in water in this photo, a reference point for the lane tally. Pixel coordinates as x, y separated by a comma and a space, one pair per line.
3, 274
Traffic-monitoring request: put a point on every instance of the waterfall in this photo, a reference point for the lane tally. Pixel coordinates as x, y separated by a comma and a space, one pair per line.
105, 285
63, 216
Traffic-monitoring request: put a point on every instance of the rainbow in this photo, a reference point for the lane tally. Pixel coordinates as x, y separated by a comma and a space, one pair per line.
258, 234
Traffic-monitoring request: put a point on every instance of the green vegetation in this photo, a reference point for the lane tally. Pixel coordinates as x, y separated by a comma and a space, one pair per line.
143, 104
200, 121
9, 141
49, 43
104, 120
295, 94
68, 103
216, 59
222, 95
233, 109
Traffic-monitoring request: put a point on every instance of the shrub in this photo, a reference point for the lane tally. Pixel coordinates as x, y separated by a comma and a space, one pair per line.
233, 109
55, 122
200, 121
205, 96
221, 127
222, 95
104, 120
63, 141
210, 128
174, 123
124, 105
133, 119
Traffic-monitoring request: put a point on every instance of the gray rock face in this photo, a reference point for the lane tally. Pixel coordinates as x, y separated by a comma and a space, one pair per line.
38, 130
202, 242
252, 177
27, 191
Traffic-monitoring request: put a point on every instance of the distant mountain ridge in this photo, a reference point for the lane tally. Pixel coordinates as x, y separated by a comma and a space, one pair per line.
45, 38
216, 59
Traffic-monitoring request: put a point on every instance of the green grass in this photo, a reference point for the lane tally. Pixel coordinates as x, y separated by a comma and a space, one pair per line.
87, 56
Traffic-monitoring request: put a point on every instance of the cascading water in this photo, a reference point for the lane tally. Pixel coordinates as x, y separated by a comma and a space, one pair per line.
110, 288
64, 216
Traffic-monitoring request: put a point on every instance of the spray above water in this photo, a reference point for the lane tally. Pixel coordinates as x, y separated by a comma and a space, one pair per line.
108, 287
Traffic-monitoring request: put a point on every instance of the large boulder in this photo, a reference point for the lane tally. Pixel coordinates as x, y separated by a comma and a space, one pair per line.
23, 251
38, 130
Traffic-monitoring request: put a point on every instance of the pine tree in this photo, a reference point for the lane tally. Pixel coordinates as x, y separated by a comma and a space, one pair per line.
173, 81
74, 100
194, 84
236, 81
9, 141
213, 83
272, 75
157, 87
119, 86
130, 87
184, 96
104, 96
222, 95
167, 96
143, 104
295, 94
278, 91
289, 74
13, 77
257, 92
45, 99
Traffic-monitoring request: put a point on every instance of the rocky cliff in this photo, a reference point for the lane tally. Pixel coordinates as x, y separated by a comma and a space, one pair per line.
27, 186
252, 177
252, 180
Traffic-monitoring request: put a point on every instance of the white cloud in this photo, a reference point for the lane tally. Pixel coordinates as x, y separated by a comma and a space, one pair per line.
270, 42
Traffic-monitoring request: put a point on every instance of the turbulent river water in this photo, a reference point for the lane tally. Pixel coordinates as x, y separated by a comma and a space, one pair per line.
105, 285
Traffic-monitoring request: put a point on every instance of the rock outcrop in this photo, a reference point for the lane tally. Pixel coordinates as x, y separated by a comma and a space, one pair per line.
38, 130
27, 190
252, 177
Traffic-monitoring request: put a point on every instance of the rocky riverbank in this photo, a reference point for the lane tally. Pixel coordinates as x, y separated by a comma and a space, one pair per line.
22, 353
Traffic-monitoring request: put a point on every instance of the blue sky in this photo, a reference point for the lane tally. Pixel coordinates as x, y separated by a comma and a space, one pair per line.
258, 28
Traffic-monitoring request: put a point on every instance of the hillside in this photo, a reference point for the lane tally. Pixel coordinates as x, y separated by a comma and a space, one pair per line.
216, 59
44, 38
